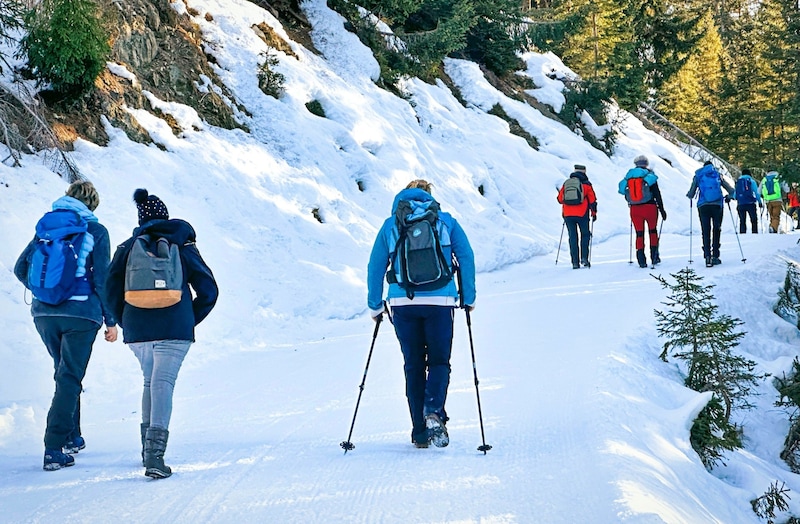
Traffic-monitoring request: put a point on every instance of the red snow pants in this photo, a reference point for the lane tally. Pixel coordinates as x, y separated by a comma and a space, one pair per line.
641, 213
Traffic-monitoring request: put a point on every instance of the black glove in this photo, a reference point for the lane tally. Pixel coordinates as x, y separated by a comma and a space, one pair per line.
663, 215
728, 199
594, 217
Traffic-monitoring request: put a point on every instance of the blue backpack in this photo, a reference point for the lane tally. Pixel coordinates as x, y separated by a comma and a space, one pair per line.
710, 185
745, 194
53, 264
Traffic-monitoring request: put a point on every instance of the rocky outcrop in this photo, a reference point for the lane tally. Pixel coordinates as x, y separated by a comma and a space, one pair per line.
163, 50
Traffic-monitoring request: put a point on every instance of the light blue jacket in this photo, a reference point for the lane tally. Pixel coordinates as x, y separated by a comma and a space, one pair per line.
383, 251
637, 172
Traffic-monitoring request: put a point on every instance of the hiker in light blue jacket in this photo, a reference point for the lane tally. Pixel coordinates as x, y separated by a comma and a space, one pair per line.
423, 318
68, 329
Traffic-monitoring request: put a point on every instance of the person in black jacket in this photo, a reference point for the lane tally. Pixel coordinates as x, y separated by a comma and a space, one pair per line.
160, 338
69, 329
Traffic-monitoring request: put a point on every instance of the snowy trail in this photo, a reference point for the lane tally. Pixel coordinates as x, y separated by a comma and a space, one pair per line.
262, 445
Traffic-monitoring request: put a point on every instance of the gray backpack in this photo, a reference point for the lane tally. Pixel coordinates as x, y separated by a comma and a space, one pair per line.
153, 273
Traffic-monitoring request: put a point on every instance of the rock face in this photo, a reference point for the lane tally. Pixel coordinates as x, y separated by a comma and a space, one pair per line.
163, 50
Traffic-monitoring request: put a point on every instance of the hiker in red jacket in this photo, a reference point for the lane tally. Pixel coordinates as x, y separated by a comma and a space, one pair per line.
577, 200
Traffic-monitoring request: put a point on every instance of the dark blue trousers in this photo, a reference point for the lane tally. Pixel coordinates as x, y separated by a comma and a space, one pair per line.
710, 227
574, 224
426, 338
69, 341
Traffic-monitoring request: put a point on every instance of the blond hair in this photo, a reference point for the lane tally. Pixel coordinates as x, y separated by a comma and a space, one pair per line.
85, 192
420, 184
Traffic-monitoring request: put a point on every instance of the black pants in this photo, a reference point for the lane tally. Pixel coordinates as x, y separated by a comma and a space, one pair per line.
69, 341
573, 225
711, 227
744, 210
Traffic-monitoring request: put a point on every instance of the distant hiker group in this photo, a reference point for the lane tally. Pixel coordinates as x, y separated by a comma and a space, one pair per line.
640, 188
157, 288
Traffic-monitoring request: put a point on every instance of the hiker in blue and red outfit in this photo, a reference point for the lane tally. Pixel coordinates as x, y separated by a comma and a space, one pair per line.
423, 322
69, 329
576, 213
707, 185
160, 338
640, 188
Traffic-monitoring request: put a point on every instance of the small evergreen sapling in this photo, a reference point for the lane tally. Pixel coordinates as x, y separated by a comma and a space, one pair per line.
789, 389
775, 499
66, 45
697, 334
788, 305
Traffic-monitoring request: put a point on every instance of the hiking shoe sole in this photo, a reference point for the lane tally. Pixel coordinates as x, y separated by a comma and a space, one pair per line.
156, 473
439, 436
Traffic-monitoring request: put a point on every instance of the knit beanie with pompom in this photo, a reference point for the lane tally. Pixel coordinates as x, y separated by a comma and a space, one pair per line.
150, 207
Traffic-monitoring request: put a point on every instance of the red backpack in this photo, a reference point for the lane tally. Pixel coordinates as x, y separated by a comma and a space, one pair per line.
637, 191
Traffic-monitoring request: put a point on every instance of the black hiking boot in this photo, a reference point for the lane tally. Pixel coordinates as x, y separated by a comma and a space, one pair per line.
709, 263
586, 263
154, 446
439, 436
654, 256
641, 258
715, 261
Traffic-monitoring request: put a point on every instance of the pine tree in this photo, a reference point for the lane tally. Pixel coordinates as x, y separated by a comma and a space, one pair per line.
779, 26
66, 44
697, 334
689, 98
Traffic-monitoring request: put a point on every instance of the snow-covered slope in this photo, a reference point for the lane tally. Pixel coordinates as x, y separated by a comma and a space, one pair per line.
587, 425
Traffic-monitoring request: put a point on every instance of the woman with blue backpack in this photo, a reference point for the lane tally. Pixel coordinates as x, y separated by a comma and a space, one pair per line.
65, 268
707, 186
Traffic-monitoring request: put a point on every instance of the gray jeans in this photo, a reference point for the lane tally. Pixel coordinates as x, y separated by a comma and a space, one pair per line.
160, 360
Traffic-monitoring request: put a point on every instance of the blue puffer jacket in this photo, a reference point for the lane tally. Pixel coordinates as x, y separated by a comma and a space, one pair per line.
383, 251
170, 323
92, 259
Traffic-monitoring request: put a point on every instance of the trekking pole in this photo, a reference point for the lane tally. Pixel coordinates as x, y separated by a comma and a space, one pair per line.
484, 446
591, 240
735, 232
630, 245
691, 209
347, 445
563, 224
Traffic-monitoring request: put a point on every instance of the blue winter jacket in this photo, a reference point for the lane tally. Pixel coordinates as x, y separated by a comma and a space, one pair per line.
170, 323
709, 170
92, 259
383, 251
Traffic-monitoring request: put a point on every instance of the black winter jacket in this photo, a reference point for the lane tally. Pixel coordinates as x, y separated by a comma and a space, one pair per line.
171, 323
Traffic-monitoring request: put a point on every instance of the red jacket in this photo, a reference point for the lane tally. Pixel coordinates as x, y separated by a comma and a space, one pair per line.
794, 198
589, 199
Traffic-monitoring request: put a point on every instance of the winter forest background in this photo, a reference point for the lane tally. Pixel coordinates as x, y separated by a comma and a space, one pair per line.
282, 132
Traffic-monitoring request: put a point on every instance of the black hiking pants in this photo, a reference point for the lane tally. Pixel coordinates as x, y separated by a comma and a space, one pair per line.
69, 341
744, 210
711, 227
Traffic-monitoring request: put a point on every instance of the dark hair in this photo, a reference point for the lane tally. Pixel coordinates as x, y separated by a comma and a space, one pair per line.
746, 171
